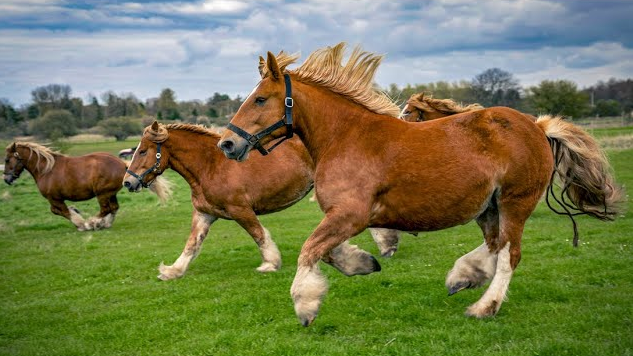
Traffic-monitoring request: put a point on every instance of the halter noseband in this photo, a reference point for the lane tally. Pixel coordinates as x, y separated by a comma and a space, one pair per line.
155, 168
285, 120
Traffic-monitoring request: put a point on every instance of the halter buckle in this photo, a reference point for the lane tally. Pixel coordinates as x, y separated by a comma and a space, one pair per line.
158, 155
289, 102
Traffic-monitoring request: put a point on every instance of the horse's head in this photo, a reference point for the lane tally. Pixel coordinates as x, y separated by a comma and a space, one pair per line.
265, 115
150, 159
13, 164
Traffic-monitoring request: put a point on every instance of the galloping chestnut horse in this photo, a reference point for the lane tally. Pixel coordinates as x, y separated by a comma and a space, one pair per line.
491, 166
60, 178
261, 186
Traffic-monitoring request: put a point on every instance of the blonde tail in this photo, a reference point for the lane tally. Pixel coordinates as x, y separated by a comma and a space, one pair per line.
582, 169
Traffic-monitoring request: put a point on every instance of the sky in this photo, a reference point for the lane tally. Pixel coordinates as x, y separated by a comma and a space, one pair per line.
200, 47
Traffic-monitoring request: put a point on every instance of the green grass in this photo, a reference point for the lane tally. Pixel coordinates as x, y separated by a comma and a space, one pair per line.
64, 292
611, 131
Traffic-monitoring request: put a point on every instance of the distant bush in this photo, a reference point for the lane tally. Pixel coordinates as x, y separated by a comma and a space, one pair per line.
120, 127
55, 124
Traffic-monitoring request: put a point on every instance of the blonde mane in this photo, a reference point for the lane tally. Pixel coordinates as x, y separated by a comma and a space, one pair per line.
354, 80
162, 133
41, 152
446, 106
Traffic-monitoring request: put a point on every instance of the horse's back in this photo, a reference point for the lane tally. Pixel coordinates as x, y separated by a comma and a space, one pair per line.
84, 177
466, 158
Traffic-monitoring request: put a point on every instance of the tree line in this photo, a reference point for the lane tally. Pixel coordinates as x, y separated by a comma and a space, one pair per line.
54, 113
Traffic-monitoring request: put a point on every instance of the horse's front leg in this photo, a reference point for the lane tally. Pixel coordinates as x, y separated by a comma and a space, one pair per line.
59, 208
309, 285
200, 224
271, 258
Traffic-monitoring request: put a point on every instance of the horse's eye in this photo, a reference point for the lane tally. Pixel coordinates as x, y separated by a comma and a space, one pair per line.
142, 153
260, 100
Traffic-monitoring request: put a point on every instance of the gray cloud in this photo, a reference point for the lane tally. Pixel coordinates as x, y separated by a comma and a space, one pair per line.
199, 47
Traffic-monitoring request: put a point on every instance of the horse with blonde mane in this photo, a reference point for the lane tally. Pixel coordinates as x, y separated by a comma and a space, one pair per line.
491, 166
60, 178
260, 186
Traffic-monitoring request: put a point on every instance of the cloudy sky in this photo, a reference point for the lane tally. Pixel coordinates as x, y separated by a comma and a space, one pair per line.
200, 47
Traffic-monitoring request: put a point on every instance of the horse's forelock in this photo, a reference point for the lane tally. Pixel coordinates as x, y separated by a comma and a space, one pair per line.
157, 136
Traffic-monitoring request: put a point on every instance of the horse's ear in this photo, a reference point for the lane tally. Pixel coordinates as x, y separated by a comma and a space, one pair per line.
14, 147
262, 65
155, 125
273, 67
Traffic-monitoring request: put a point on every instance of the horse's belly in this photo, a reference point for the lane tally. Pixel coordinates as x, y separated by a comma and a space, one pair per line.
429, 213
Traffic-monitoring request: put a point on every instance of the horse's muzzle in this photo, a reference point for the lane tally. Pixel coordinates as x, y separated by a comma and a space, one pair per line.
132, 184
8, 178
234, 148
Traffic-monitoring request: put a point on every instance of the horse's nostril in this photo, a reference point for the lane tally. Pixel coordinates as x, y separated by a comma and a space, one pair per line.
127, 184
227, 146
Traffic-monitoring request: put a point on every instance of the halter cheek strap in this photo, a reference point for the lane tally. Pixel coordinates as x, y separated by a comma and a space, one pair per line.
286, 121
155, 168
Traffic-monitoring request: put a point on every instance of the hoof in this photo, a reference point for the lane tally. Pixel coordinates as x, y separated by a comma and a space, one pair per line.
267, 267
168, 272
375, 263
305, 322
483, 311
388, 253
457, 287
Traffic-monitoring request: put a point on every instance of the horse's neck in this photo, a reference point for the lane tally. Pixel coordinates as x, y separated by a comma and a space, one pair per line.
191, 153
324, 117
33, 162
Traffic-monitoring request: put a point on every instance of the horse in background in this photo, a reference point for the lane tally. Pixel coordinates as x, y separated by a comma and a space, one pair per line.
421, 107
490, 165
59, 178
126, 153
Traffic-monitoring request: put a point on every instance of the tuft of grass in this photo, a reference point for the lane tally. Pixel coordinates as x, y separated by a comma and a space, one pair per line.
65, 292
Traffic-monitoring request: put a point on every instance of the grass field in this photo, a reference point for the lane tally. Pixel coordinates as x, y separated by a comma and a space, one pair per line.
64, 292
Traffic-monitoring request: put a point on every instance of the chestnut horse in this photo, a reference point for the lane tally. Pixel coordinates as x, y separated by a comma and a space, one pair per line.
260, 186
421, 107
60, 178
491, 166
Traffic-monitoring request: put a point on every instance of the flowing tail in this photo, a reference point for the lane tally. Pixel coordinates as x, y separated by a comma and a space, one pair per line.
583, 172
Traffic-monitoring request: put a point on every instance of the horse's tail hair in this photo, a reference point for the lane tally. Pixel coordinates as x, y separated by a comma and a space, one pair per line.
162, 187
583, 171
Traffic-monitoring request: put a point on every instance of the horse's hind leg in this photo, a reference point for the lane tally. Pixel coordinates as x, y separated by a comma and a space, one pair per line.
351, 260
104, 219
512, 219
478, 266
200, 223
72, 214
386, 239
271, 258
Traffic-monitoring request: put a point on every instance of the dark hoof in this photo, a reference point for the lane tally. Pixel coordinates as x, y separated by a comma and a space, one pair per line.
457, 287
376, 265
389, 252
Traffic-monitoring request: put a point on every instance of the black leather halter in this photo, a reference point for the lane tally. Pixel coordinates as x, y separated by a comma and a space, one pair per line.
155, 168
286, 120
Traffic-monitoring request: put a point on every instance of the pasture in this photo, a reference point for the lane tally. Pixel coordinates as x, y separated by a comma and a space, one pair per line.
64, 292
